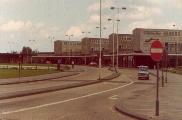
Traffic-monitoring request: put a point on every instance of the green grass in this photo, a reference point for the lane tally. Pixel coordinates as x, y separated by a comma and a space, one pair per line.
14, 73
33, 64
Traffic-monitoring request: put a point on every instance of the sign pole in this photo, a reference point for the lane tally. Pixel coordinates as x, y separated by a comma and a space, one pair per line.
162, 68
166, 62
19, 67
156, 52
157, 92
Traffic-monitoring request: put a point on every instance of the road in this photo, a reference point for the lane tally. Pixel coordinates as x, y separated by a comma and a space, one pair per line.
93, 102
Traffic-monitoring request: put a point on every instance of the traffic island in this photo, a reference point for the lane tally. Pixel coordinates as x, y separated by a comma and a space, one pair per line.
56, 88
46, 77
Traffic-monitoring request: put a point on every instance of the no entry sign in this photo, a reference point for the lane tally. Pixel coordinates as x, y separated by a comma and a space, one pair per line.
156, 50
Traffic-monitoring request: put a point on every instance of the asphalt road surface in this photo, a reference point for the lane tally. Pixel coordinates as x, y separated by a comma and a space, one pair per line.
93, 102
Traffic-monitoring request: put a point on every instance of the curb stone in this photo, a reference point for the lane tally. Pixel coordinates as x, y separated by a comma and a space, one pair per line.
132, 114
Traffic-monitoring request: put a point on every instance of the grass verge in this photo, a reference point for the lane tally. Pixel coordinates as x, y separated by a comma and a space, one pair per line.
14, 73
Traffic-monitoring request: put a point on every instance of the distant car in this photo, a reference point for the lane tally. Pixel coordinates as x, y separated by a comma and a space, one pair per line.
93, 64
143, 73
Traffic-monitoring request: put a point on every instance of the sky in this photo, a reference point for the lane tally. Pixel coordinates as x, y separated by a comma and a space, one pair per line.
38, 23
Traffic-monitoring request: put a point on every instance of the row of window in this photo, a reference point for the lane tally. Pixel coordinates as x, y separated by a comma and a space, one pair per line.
71, 43
125, 38
173, 47
163, 33
98, 41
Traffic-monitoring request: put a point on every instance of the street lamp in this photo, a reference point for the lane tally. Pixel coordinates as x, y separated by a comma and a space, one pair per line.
69, 50
118, 12
112, 41
86, 33
100, 39
86, 46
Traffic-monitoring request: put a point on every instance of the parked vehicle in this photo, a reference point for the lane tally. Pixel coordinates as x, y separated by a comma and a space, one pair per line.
93, 64
143, 73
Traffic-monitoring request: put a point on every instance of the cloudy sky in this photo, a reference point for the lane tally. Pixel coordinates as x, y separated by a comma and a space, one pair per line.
37, 23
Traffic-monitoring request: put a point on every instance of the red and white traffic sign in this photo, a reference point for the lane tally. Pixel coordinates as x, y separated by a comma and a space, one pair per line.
156, 50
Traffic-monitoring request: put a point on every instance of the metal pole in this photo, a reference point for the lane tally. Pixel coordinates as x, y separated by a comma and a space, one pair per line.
69, 49
177, 53
166, 62
117, 38
163, 71
19, 66
157, 92
113, 44
100, 39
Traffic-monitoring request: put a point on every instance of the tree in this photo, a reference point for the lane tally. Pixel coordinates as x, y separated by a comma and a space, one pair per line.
26, 51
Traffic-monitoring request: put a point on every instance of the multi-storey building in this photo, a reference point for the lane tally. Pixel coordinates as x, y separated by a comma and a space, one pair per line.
125, 43
63, 47
92, 45
172, 39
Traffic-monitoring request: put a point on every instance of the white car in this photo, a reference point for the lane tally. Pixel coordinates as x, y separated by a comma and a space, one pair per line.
93, 64
143, 73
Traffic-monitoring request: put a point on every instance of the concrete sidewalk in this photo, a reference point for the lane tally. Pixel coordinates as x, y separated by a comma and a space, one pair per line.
142, 104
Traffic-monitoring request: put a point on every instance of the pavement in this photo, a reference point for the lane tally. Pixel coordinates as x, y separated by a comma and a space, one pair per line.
141, 105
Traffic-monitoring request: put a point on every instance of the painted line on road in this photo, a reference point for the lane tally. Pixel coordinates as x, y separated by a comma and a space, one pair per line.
114, 97
64, 101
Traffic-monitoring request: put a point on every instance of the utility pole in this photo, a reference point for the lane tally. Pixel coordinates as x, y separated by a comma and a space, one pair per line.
100, 39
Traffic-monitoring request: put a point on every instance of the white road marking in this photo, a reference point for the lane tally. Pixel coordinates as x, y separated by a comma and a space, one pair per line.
114, 97
64, 101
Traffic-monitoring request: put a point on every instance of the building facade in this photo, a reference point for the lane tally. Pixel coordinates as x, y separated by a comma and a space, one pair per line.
63, 47
143, 39
125, 43
92, 45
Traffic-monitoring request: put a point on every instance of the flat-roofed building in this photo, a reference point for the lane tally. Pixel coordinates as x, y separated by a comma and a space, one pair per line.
143, 39
92, 45
63, 47
125, 43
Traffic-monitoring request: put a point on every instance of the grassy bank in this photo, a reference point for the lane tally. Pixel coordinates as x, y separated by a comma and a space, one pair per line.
14, 73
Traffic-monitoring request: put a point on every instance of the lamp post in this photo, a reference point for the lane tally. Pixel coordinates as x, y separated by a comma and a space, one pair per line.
166, 60
118, 12
100, 43
100, 39
86, 44
112, 42
69, 50
86, 33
